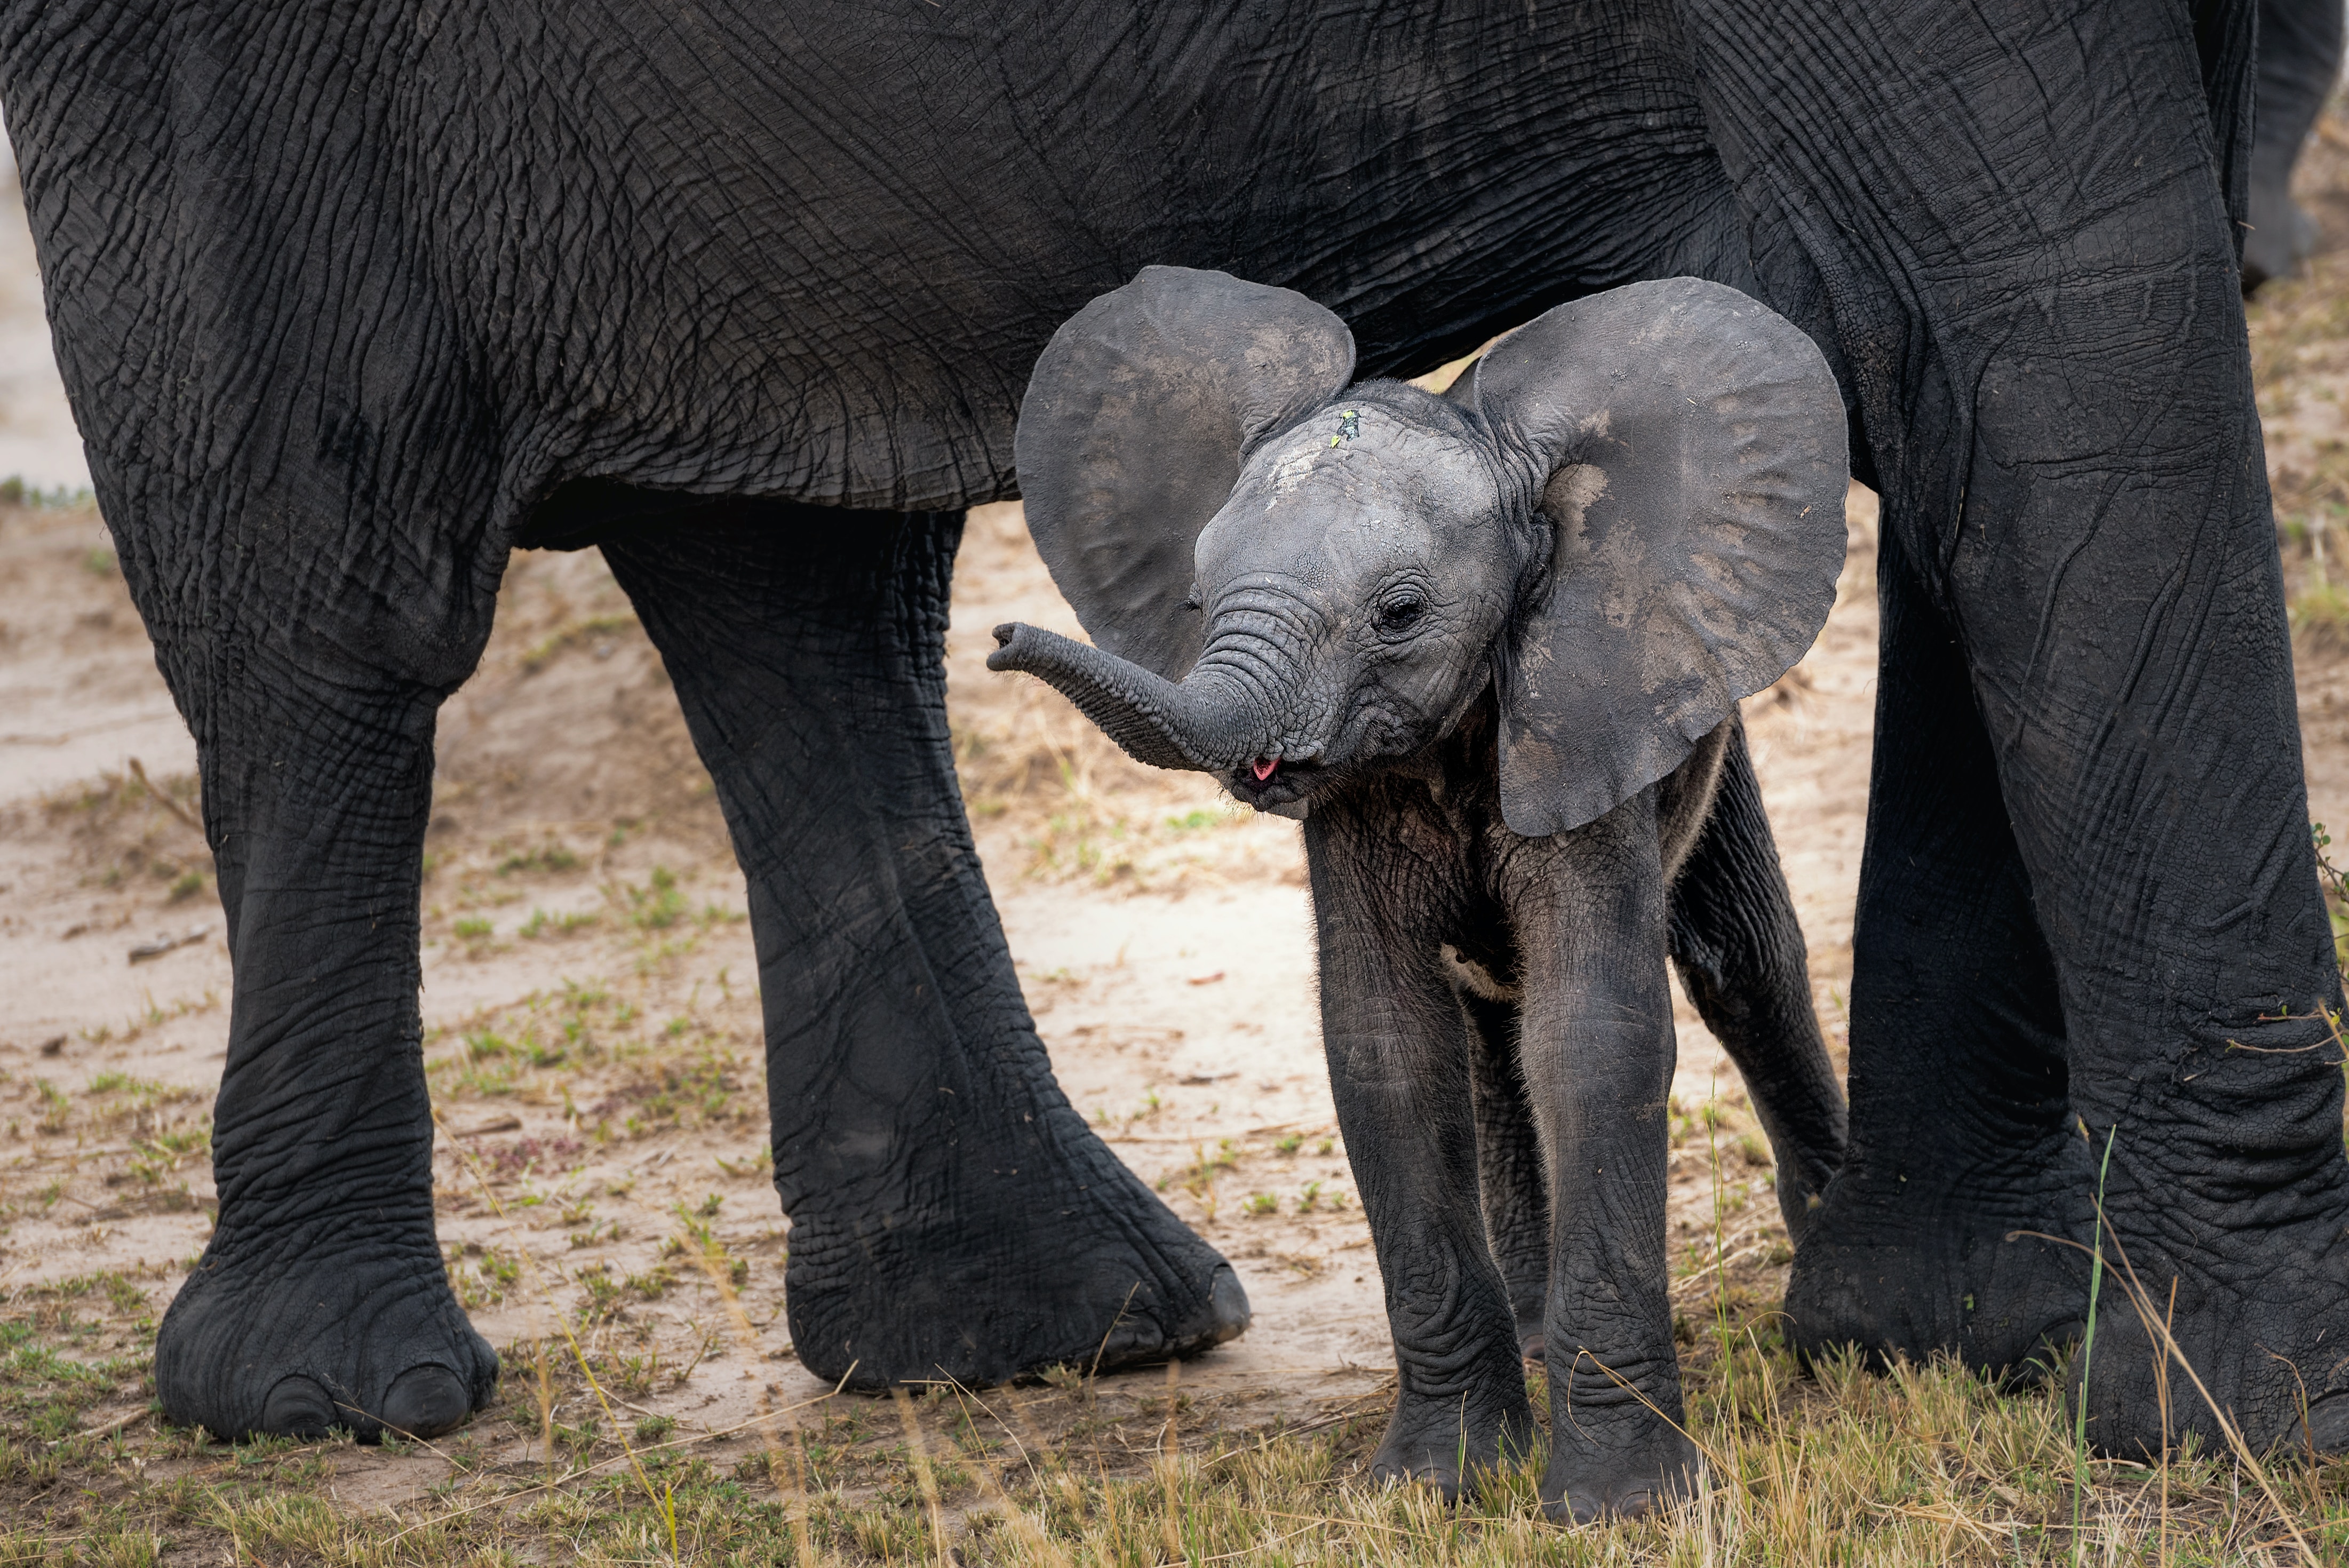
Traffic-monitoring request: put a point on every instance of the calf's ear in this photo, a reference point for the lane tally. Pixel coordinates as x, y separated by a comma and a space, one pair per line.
1690, 446
1132, 431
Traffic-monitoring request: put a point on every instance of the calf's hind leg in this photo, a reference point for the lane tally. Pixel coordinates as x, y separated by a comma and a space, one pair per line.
1740, 953
951, 1214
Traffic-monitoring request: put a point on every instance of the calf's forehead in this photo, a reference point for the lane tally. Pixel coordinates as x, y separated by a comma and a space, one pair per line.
1356, 482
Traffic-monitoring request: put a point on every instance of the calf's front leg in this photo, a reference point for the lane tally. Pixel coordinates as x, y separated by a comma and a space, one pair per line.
1398, 1073
1595, 1047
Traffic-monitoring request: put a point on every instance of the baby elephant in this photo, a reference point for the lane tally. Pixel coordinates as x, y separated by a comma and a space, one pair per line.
1489, 647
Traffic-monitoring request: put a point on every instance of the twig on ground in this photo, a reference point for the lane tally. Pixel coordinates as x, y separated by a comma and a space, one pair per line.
165, 801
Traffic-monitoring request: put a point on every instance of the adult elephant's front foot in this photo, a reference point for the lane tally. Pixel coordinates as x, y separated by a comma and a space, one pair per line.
321, 1301
2254, 1295
337, 1324
1031, 1260
1901, 1263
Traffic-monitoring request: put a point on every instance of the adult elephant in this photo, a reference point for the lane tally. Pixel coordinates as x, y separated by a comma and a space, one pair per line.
353, 300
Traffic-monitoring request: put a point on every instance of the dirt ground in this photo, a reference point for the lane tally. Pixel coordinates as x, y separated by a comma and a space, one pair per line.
591, 1000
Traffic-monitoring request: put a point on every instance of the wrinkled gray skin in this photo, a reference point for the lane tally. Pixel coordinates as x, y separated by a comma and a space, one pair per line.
1494, 1002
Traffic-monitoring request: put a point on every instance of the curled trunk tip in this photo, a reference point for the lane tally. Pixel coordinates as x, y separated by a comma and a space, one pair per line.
1152, 720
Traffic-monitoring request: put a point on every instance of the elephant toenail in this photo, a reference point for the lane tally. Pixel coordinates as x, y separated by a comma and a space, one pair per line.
425, 1401
1228, 1304
297, 1407
2328, 1424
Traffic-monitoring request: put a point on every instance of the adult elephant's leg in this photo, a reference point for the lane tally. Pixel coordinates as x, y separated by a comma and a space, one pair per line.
2033, 282
950, 1213
1739, 950
321, 1300
1960, 1131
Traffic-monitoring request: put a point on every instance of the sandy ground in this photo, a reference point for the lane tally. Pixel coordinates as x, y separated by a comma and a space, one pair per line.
590, 995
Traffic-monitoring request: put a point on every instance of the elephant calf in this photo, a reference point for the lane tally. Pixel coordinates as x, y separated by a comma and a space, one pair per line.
1489, 647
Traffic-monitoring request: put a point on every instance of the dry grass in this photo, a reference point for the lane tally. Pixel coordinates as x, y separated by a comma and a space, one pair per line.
1924, 1465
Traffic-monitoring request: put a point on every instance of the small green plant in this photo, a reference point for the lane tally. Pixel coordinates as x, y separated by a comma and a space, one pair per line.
541, 923
2088, 1348
546, 857
2319, 613
762, 1161
494, 1273
1262, 1203
473, 929
1290, 1144
189, 884
658, 906
602, 1291
97, 562
1309, 1198
652, 1284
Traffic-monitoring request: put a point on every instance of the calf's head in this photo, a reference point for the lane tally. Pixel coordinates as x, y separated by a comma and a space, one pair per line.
1627, 516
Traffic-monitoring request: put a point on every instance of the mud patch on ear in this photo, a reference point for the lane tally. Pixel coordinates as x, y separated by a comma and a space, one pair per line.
1571, 493
1694, 448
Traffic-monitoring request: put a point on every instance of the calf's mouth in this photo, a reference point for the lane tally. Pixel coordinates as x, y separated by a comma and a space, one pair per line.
1267, 782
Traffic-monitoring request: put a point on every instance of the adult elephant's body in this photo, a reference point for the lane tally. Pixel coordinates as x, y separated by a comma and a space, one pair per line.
350, 304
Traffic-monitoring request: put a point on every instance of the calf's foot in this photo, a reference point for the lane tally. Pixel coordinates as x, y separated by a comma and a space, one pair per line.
342, 1324
1448, 1444
1582, 1488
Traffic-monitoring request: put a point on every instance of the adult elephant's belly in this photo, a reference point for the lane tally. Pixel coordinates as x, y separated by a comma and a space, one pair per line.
817, 262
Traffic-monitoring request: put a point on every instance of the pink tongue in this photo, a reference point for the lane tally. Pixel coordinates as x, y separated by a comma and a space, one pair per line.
1264, 766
